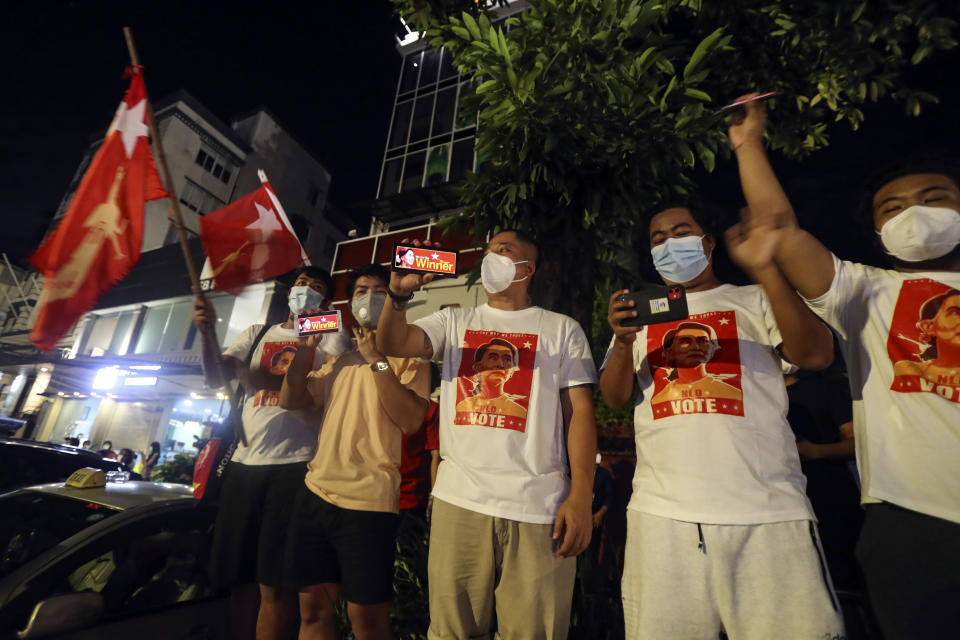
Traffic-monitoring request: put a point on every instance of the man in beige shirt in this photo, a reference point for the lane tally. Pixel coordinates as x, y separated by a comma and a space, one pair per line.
344, 519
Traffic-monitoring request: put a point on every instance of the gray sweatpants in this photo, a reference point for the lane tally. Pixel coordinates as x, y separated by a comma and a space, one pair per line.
684, 581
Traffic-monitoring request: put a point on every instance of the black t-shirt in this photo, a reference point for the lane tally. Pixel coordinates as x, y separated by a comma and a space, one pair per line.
602, 489
819, 404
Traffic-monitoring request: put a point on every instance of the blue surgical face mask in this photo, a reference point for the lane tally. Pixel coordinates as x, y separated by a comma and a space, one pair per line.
680, 259
302, 297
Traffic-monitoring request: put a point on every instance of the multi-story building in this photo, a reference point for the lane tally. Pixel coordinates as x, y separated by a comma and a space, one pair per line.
430, 147
130, 370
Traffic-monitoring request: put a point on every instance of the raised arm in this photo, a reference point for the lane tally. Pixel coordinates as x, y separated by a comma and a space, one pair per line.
402, 405
574, 517
804, 260
293, 391
218, 370
616, 380
807, 342
395, 336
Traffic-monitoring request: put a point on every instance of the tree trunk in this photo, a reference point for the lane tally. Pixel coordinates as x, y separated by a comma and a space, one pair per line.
565, 276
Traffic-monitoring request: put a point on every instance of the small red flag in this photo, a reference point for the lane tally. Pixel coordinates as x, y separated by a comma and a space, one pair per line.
250, 240
98, 241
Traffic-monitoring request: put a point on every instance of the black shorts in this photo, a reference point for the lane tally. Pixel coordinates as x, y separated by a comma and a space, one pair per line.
253, 518
352, 548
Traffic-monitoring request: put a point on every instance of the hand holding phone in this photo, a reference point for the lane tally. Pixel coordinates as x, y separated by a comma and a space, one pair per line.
655, 304
309, 325
411, 258
739, 105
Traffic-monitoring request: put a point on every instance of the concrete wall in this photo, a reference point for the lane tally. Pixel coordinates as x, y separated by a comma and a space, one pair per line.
292, 172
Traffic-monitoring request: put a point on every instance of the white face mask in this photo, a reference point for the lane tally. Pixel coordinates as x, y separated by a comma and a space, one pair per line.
497, 271
680, 259
303, 297
366, 308
921, 233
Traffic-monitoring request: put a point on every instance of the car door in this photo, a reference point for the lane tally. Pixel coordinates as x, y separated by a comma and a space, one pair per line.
151, 574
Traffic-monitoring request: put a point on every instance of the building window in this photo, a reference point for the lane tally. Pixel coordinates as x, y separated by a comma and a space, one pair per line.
391, 177
413, 171
401, 124
461, 160
431, 64
198, 199
421, 118
411, 70
437, 165
213, 164
443, 112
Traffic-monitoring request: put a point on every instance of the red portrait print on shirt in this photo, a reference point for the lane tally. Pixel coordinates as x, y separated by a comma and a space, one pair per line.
275, 358
494, 380
695, 365
924, 339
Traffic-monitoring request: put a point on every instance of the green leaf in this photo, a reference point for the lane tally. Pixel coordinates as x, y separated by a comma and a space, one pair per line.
494, 40
472, 27
487, 86
700, 53
696, 94
686, 153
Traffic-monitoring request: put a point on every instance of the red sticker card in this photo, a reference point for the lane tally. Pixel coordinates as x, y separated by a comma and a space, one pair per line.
407, 257
924, 339
321, 323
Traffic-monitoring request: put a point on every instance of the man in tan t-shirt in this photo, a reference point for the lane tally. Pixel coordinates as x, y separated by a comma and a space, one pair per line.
344, 522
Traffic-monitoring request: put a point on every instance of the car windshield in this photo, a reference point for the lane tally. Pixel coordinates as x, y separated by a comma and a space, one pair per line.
32, 522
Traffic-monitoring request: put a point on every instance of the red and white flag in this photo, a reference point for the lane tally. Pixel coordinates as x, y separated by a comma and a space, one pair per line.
98, 241
250, 240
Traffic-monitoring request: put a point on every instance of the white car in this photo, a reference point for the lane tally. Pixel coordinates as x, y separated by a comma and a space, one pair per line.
125, 560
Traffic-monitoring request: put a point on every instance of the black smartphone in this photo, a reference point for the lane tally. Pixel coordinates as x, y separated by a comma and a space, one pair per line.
407, 257
318, 323
656, 304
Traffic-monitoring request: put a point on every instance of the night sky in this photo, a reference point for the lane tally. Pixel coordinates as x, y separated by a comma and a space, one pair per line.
328, 70
329, 73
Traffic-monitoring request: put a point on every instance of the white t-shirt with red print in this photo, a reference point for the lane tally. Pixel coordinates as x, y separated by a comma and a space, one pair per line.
713, 442
274, 435
501, 425
900, 336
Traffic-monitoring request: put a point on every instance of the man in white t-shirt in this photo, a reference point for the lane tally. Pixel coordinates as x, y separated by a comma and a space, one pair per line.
254, 510
898, 331
518, 439
721, 536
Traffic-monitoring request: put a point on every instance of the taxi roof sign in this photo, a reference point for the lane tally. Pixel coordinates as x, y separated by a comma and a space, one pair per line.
87, 478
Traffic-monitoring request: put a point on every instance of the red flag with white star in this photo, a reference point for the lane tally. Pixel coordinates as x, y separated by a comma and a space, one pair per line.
98, 241
250, 240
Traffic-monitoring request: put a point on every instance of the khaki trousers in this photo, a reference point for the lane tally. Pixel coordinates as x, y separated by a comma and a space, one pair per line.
478, 562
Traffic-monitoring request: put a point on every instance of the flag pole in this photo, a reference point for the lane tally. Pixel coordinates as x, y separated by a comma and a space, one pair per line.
177, 219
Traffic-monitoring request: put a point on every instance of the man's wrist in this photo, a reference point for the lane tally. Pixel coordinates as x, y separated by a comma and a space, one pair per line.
626, 340
400, 296
750, 145
580, 495
762, 272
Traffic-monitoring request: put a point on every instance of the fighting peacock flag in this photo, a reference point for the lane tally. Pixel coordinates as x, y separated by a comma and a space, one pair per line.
99, 239
250, 240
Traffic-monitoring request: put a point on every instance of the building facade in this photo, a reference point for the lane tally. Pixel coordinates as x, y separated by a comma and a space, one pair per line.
129, 372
